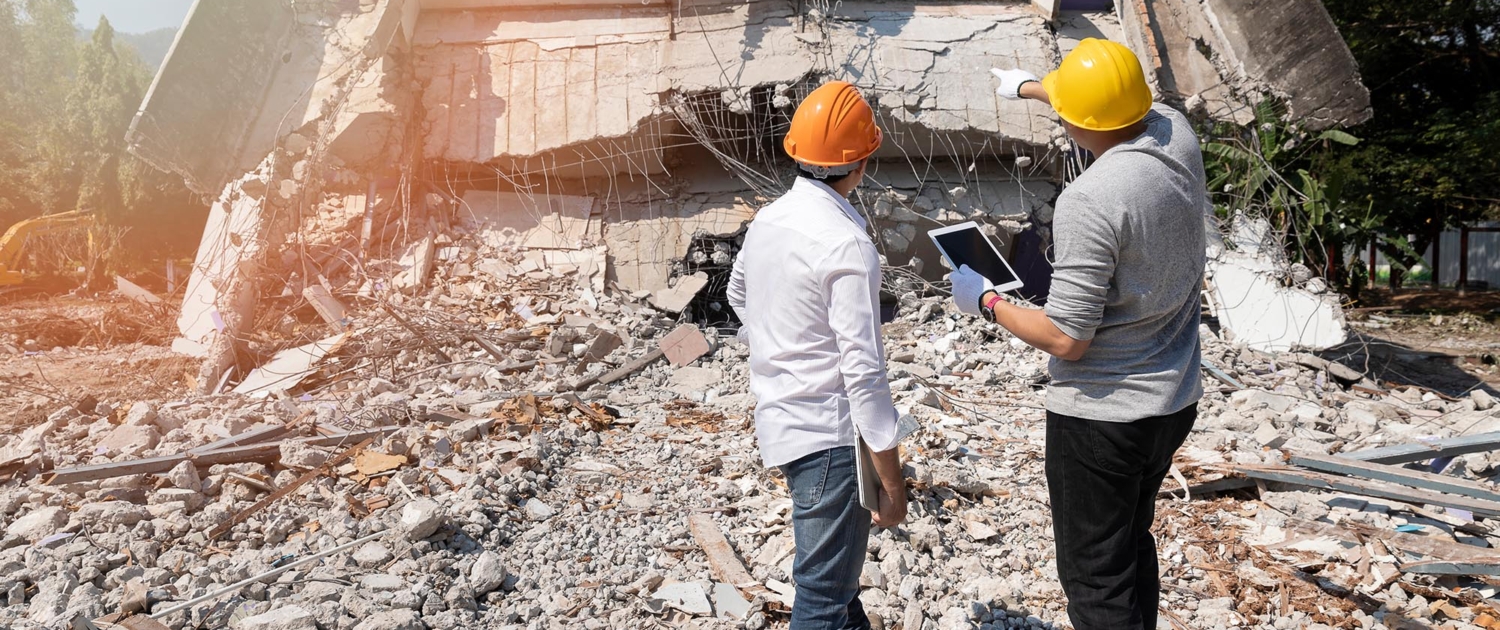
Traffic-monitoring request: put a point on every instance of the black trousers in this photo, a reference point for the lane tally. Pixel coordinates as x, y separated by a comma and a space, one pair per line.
1103, 478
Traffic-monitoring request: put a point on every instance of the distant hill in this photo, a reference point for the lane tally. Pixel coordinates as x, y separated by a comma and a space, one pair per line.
151, 46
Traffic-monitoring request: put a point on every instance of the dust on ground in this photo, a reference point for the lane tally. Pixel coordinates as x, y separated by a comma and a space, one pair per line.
61, 349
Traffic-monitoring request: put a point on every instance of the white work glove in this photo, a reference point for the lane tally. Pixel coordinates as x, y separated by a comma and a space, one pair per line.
1011, 81
968, 285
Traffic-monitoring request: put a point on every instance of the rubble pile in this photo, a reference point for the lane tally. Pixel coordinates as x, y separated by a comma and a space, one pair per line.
511, 445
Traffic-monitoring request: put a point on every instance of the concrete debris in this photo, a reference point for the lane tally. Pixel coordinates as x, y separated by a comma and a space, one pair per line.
487, 574
133, 291
283, 618
505, 278
1250, 296
285, 370
684, 345
676, 299
421, 518
643, 494
688, 597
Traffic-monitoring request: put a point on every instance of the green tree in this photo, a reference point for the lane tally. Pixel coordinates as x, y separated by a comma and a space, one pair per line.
107, 87
37, 59
1433, 69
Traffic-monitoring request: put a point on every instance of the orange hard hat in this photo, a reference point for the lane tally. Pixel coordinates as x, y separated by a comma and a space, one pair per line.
833, 126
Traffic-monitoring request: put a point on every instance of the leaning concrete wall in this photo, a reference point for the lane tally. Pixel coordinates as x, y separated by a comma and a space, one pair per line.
198, 116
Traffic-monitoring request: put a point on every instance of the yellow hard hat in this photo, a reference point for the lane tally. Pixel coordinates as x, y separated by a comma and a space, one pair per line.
1099, 86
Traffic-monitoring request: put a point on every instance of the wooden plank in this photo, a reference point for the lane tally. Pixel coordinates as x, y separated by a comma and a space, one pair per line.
1369, 488
1420, 451
726, 566
1393, 474
263, 453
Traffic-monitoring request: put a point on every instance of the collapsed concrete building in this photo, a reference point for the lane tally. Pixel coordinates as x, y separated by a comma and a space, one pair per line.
343, 141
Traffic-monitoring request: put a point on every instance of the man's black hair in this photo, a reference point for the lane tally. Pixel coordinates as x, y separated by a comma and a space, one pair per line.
831, 180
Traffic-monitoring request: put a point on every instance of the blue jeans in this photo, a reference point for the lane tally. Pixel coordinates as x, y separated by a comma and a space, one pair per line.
832, 532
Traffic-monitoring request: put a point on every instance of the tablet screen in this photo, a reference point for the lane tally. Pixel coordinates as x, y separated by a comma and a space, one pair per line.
969, 247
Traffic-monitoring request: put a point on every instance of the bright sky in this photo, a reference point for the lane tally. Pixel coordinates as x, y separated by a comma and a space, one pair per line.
133, 16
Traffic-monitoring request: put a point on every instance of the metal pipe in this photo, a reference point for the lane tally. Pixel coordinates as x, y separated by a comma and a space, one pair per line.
272, 573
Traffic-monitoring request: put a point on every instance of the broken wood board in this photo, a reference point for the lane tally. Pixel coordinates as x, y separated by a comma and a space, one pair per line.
540, 221
262, 453
722, 560
368, 463
1421, 451
285, 370
1394, 474
1324, 481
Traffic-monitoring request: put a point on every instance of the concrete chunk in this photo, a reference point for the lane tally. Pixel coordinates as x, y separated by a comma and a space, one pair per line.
677, 298
284, 618
38, 523
399, 619
688, 597
421, 518
684, 345
487, 574
130, 441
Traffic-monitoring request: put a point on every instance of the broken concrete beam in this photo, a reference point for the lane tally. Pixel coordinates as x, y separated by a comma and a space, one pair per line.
327, 306
285, 370
1383, 490
1419, 451
677, 298
262, 453
726, 566
684, 345
253, 436
1395, 474
416, 265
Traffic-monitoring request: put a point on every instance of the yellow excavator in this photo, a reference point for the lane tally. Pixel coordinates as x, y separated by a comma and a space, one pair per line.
13, 244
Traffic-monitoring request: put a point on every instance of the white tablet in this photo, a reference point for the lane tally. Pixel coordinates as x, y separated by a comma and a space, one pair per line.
964, 244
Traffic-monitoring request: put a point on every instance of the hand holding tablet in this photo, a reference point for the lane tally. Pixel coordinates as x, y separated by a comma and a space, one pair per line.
964, 244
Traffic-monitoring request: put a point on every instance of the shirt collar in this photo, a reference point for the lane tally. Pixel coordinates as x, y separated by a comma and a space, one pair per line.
815, 187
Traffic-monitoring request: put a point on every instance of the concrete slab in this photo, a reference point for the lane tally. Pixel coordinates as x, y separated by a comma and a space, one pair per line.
509, 219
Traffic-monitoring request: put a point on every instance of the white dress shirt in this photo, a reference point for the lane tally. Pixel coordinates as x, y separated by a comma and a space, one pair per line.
806, 286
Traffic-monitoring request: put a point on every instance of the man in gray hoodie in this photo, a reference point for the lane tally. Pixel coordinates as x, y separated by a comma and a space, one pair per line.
1121, 323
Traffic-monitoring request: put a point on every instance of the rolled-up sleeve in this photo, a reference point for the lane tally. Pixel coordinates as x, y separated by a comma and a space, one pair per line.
852, 286
1084, 255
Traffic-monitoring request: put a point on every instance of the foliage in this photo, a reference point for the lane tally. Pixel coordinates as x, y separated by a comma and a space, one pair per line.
1294, 180
65, 106
1433, 69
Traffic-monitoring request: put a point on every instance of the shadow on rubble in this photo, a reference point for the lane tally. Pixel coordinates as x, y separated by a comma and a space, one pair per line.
1389, 363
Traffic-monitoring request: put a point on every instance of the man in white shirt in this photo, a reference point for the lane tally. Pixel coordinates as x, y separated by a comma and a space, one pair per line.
806, 286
